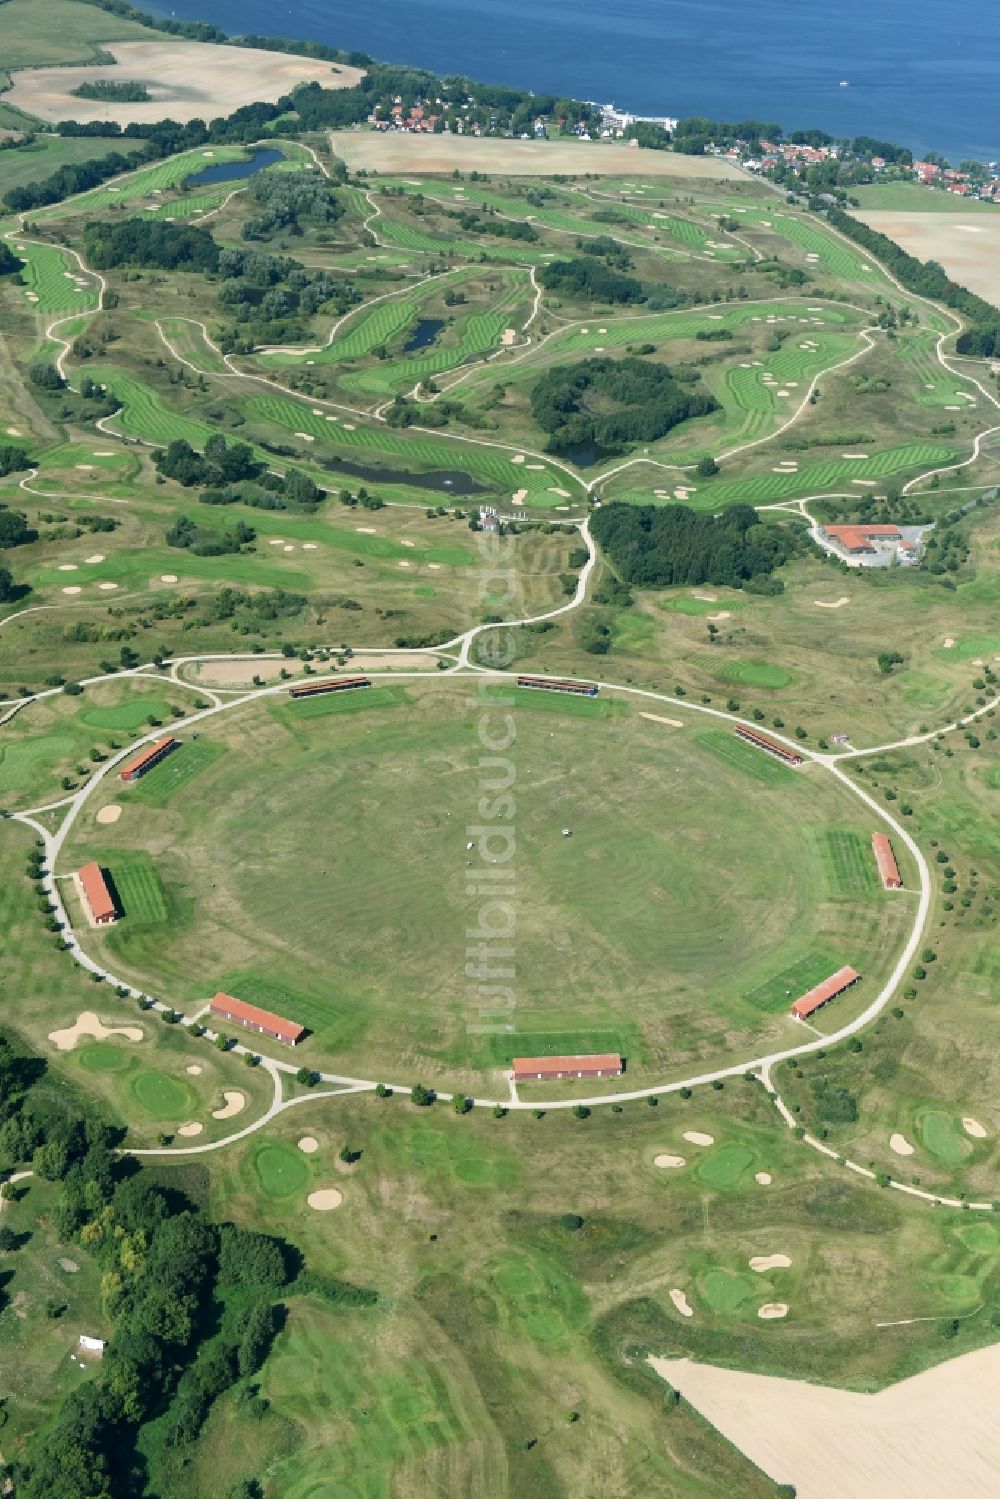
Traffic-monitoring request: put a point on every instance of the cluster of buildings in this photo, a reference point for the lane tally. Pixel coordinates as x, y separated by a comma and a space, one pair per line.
864, 544
615, 122
434, 117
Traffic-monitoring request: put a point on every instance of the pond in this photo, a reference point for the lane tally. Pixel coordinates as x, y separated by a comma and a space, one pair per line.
443, 481
584, 454
226, 171
424, 333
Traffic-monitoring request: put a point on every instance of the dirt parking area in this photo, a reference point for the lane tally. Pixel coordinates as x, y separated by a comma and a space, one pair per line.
967, 245
399, 151
187, 80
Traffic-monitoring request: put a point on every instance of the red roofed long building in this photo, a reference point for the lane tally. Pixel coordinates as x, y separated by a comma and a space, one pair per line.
783, 752
96, 895
255, 1019
150, 756
824, 992
550, 1069
857, 539
886, 860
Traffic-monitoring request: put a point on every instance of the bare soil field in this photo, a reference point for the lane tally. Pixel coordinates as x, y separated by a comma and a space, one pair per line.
399, 151
967, 245
187, 80
924, 1437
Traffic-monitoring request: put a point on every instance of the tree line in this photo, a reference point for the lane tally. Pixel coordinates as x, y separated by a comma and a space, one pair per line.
659, 546
149, 242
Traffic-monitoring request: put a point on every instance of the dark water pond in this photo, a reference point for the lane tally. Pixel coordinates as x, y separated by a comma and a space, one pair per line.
444, 481
584, 454
227, 171
423, 334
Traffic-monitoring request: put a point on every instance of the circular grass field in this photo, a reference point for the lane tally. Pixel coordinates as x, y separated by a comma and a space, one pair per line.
280, 1169
322, 870
164, 1096
765, 674
104, 1056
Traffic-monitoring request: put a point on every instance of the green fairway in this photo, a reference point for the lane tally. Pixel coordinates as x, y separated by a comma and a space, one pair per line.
132, 714
755, 763
767, 674
776, 994
22, 762
53, 280
164, 1096
137, 882
160, 783
850, 863
280, 1169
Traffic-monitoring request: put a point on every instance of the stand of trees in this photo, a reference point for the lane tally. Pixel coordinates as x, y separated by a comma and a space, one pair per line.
656, 546
270, 296
646, 401
194, 1306
110, 91
286, 198
591, 279
187, 534
149, 242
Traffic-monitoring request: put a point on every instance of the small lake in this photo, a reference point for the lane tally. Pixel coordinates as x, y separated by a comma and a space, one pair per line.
583, 454
444, 481
424, 334
228, 171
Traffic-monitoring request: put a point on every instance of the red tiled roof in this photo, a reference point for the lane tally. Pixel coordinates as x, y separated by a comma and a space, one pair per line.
102, 907
599, 1062
827, 990
148, 754
857, 536
886, 861
238, 1009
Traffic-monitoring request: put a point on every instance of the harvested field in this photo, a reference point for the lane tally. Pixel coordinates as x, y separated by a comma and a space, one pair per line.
967, 245
402, 152
926, 1436
187, 80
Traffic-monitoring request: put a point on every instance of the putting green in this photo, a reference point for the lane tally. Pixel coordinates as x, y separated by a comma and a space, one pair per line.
941, 1136
103, 1056
162, 1095
725, 1290
280, 1169
959, 1287
981, 1238
755, 674
724, 1167
129, 715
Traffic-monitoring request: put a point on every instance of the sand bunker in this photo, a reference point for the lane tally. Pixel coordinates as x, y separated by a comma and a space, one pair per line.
837, 604
235, 1103
309, 1144
366, 530
517, 458
668, 1162
900, 1145
194, 1070
696, 1137
168, 577
764, 1262
508, 336
404, 564
97, 557
974, 1128
109, 814
854, 455
194, 1127
709, 598
76, 589
682, 1304
325, 1200
305, 436
771, 1311
14, 432
89, 1025
675, 723
107, 587
67, 567
70, 1266
948, 642
763, 1178
929, 1435
722, 614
